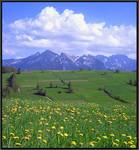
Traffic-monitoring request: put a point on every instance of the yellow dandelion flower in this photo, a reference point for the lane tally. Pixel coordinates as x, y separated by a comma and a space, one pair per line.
105, 137
45, 141
92, 143
53, 127
61, 127
110, 122
26, 138
132, 146
125, 142
73, 143
18, 144
11, 134
112, 135
129, 137
92, 129
39, 131
16, 138
65, 135
116, 140
26, 130
39, 137
114, 144
81, 134
4, 137
98, 138
123, 134
130, 142
105, 116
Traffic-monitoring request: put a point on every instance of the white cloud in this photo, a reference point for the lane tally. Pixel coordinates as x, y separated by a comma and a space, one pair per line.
69, 32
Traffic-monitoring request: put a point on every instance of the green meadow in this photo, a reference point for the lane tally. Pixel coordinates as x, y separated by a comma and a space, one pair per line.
87, 117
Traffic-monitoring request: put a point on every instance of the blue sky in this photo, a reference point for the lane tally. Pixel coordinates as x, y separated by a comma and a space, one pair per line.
116, 16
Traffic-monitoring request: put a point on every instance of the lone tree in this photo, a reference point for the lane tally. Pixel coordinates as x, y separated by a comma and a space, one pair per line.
37, 86
18, 71
12, 83
117, 71
69, 89
50, 85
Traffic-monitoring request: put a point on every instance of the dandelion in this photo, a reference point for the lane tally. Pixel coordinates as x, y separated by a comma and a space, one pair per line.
132, 146
39, 137
129, 137
26, 130
73, 143
65, 135
11, 134
18, 144
53, 127
123, 134
44, 141
26, 138
92, 143
81, 134
125, 142
105, 137
110, 122
116, 140
39, 131
16, 138
4, 137
61, 127
98, 138
114, 144
130, 142
112, 135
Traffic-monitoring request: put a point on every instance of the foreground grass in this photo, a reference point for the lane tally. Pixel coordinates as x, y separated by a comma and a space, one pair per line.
40, 123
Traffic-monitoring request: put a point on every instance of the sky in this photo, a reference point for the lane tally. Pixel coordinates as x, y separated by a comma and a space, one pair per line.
75, 28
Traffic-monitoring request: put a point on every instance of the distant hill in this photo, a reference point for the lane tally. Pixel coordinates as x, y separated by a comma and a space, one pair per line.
49, 60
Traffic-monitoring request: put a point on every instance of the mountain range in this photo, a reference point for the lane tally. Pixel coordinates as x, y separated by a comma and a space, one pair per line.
49, 60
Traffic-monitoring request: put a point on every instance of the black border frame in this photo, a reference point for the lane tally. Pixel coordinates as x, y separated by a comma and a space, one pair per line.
137, 62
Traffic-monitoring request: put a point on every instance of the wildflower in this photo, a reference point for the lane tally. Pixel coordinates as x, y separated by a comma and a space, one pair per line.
114, 144
53, 127
39, 131
3, 137
92, 143
92, 129
132, 146
123, 134
26, 138
65, 134
44, 141
81, 134
125, 142
98, 138
18, 144
116, 140
129, 137
11, 134
73, 143
61, 127
16, 137
105, 137
105, 116
130, 142
39, 137
112, 135
26, 130
110, 122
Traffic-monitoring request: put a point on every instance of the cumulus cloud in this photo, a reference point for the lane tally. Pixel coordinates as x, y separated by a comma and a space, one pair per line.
69, 32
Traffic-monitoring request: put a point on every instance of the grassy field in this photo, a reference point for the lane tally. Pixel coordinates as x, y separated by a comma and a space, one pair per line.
87, 117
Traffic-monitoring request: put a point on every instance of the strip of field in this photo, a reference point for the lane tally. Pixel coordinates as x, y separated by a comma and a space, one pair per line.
65, 80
